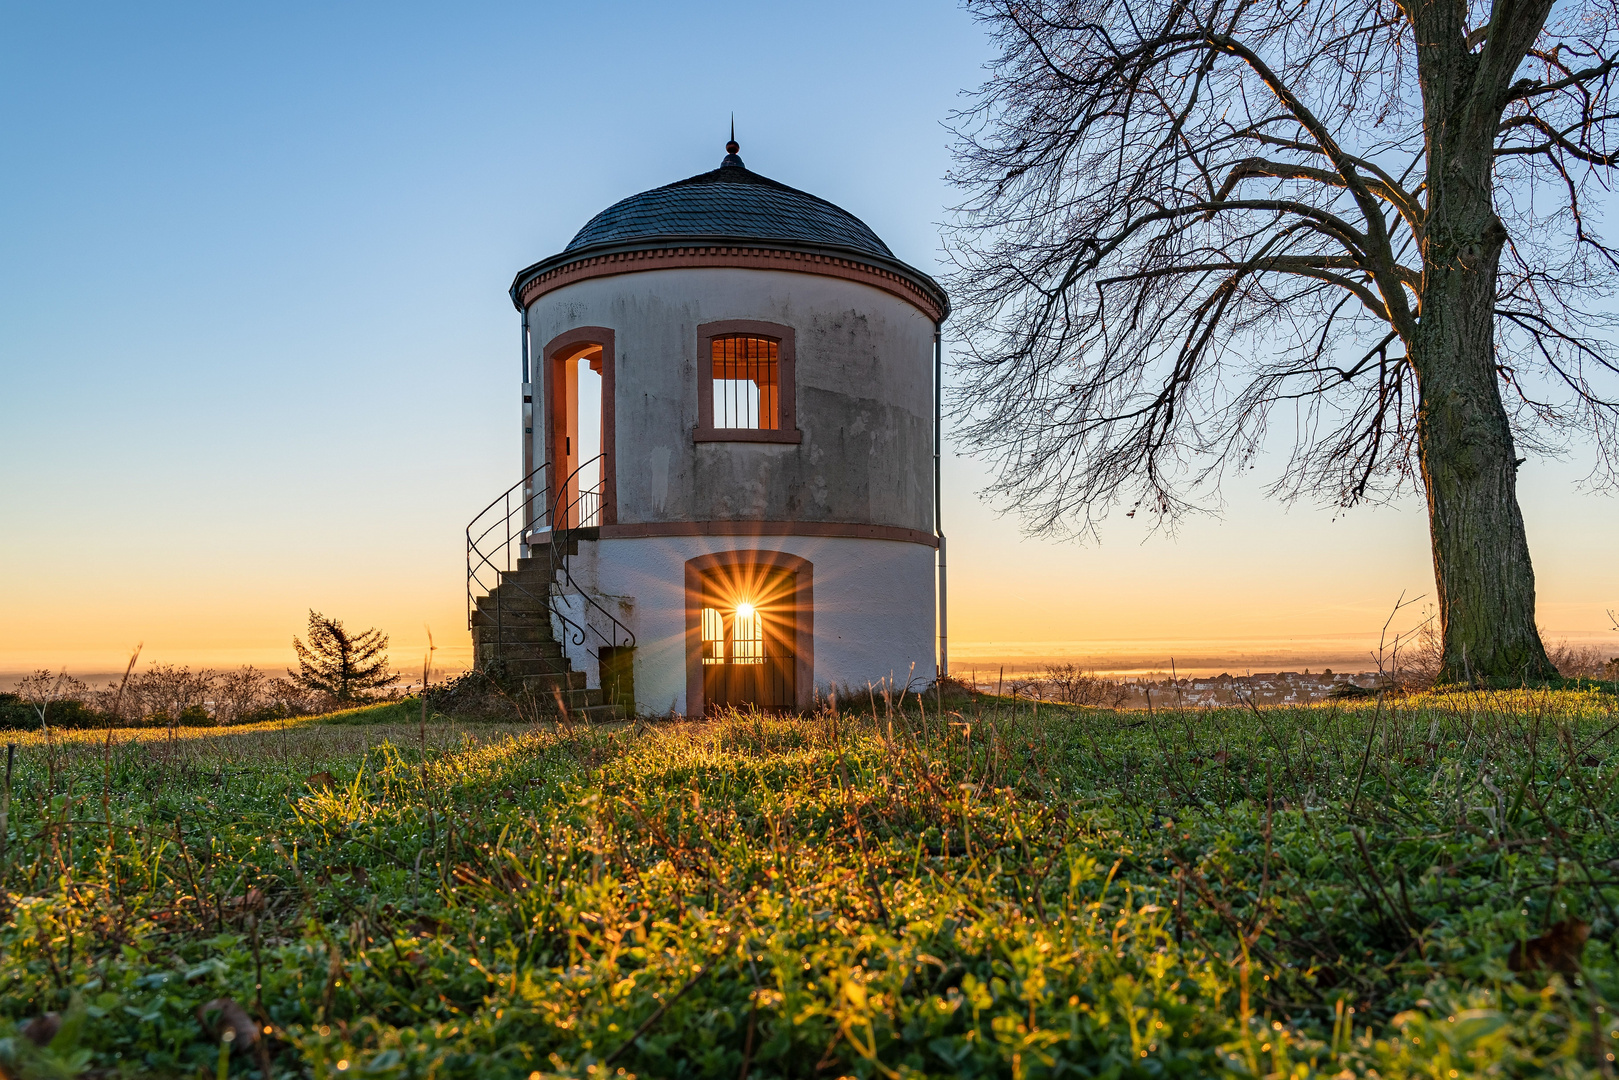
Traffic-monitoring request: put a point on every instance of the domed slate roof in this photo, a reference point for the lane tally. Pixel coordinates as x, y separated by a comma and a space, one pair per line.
730, 203
731, 206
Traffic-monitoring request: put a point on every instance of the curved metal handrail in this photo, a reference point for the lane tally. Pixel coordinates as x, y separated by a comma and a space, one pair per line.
487, 521
564, 511
483, 554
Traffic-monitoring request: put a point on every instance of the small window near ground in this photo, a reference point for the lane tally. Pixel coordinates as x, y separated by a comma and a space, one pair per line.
747, 383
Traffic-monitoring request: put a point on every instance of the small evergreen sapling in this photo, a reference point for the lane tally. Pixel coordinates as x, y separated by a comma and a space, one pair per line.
339, 664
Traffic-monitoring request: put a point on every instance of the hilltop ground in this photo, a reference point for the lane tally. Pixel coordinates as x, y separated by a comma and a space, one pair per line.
1403, 887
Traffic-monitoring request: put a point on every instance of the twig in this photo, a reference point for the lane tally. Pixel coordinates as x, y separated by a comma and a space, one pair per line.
1367, 754
5, 816
657, 1014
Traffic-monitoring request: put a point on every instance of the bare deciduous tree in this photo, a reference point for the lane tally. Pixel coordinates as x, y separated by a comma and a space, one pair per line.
1189, 221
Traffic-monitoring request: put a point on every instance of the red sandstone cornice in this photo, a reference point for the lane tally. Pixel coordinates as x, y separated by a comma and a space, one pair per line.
731, 257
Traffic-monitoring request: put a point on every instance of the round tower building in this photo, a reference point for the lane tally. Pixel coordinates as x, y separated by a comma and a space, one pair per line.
730, 491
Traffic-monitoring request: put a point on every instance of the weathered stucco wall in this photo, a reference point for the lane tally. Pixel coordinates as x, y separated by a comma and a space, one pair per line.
873, 608
864, 388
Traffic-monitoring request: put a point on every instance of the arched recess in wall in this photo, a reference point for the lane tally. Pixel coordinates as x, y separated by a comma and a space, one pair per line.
783, 587
592, 345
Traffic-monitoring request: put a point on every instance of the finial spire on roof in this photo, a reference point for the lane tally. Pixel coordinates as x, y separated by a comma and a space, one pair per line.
731, 160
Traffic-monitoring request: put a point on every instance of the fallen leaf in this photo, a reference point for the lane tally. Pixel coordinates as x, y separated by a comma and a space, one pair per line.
42, 1029
1558, 948
223, 1014
253, 900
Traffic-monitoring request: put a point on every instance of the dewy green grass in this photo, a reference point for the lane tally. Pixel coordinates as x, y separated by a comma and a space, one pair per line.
1395, 889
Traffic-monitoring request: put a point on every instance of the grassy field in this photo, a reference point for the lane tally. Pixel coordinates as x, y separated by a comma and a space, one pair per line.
1397, 889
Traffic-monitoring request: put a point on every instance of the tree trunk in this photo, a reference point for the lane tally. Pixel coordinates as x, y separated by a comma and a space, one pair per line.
1485, 582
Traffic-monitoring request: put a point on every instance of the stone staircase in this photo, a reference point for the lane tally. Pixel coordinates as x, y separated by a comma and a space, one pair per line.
511, 630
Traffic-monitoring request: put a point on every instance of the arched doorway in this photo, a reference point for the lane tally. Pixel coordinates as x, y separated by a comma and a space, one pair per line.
750, 632
579, 430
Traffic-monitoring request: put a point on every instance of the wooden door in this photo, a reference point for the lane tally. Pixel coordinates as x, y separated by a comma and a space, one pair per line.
749, 626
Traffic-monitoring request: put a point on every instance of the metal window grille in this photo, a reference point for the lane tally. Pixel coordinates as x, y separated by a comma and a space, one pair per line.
745, 632
747, 638
747, 383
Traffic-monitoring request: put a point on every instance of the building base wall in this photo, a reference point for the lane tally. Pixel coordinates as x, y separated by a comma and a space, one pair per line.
873, 608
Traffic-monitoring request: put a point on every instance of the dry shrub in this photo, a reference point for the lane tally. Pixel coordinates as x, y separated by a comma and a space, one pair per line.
168, 693
1583, 661
1413, 662
45, 685
1070, 684
1417, 662
240, 693
171, 691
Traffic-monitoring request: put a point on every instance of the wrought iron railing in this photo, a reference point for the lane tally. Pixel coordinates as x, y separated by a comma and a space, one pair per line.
499, 528
524, 515
572, 510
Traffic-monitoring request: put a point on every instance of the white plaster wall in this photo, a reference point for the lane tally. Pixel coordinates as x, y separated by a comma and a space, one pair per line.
874, 607
864, 385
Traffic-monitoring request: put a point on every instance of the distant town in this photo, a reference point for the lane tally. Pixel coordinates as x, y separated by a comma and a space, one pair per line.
1262, 688
1165, 690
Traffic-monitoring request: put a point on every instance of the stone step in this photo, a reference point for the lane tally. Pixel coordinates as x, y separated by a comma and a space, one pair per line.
572, 700
501, 600
533, 591
519, 660
525, 666
507, 616
512, 626
543, 671
534, 580
544, 681
548, 652
517, 632
593, 711
541, 559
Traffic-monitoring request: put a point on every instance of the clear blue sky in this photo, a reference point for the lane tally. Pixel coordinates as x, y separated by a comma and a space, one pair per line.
256, 353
